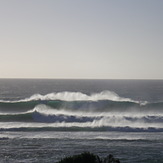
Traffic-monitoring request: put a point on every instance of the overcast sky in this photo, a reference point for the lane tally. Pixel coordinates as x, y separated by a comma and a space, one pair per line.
111, 39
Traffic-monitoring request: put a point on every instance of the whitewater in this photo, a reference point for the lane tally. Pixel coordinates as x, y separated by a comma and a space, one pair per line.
105, 110
114, 114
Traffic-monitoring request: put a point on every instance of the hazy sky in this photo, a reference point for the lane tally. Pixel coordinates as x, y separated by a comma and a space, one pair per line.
112, 39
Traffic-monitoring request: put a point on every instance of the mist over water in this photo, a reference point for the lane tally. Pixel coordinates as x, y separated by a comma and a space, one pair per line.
103, 111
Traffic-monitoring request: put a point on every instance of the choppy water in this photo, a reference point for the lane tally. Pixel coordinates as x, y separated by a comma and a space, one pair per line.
52, 146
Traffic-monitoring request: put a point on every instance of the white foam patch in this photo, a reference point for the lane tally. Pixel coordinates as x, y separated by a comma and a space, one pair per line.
78, 96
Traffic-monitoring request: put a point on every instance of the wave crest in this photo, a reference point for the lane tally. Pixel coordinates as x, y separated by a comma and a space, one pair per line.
79, 96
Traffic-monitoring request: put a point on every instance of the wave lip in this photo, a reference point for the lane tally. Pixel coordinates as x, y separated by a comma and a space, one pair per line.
76, 96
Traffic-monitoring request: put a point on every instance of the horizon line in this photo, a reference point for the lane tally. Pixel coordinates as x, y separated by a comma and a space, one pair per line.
81, 78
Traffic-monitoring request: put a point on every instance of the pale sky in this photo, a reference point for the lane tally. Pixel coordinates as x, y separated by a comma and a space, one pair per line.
102, 39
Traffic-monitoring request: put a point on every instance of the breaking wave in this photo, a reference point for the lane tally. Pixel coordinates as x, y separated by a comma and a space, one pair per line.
75, 96
71, 111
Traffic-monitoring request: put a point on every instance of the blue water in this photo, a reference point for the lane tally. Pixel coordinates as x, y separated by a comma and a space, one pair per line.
46, 120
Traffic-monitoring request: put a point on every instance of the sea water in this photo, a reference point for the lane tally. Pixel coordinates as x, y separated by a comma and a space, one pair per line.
45, 120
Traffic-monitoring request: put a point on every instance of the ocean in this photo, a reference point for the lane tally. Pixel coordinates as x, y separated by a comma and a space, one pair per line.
45, 120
